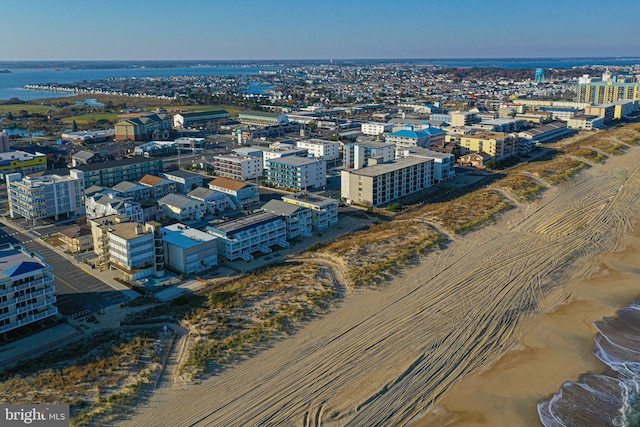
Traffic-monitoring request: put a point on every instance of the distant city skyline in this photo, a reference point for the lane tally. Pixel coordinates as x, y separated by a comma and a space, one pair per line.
288, 29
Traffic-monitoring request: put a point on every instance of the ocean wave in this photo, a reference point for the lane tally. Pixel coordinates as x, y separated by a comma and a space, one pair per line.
610, 399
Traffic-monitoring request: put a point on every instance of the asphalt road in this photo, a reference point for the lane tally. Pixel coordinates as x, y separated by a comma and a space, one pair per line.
78, 293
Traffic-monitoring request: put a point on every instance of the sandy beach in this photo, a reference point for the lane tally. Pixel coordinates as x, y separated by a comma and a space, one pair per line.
555, 348
477, 332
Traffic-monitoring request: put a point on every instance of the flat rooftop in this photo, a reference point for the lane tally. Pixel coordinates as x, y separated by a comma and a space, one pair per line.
237, 225
425, 152
19, 155
310, 199
15, 261
383, 168
375, 144
294, 161
182, 173
127, 230
320, 141
185, 237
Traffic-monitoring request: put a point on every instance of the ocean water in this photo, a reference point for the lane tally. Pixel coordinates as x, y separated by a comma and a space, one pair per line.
609, 399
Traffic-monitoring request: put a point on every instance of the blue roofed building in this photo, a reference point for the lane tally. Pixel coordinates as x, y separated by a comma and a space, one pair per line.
187, 250
26, 288
410, 137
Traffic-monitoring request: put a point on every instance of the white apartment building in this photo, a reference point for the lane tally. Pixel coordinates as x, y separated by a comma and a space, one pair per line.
384, 183
132, 248
356, 155
320, 148
376, 128
276, 153
297, 218
26, 288
297, 173
46, 196
214, 201
240, 238
185, 180
324, 210
198, 118
237, 167
181, 207
443, 163
585, 122
104, 204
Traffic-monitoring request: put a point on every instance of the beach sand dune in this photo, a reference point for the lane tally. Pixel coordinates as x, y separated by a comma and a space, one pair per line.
426, 340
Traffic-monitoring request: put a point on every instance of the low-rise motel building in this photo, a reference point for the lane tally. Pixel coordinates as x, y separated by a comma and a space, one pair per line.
187, 250
199, 118
383, 183
241, 238
107, 174
324, 210
298, 218
241, 194
22, 162
498, 145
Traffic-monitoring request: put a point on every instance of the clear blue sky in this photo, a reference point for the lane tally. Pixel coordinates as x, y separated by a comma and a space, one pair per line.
316, 29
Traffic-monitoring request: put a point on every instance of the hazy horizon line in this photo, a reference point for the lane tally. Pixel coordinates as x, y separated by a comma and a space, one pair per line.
326, 59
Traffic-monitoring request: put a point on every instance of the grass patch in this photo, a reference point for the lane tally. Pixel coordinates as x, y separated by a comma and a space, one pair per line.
86, 118
383, 248
632, 140
197, 108
97, 377
606, 146
615, 149
31, 109
556, 170
587, 154
380, 270
469, 211
523, 187
239, 316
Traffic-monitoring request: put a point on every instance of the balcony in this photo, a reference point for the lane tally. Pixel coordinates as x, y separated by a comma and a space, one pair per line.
39, 304
29, 319
10, 302
27, 285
